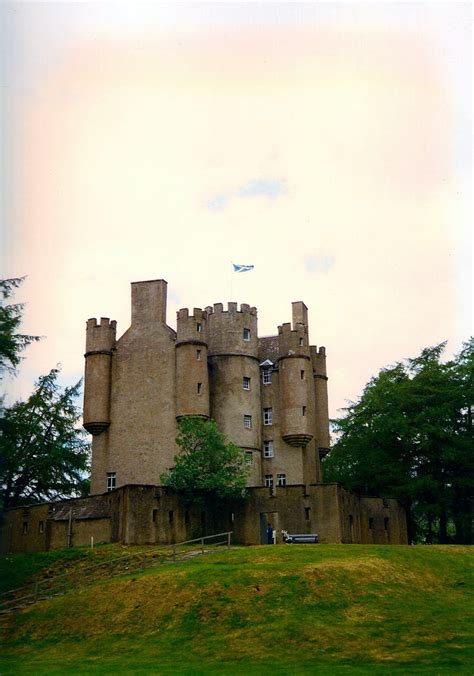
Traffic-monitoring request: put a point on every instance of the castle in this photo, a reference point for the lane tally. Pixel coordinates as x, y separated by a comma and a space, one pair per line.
267, 394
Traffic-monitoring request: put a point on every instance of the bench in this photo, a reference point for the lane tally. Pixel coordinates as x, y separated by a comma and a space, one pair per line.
300, 539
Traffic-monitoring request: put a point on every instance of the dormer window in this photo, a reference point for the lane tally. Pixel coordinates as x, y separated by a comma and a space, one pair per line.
246, 334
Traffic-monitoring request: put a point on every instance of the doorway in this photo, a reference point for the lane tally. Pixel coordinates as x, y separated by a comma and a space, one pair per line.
265, 519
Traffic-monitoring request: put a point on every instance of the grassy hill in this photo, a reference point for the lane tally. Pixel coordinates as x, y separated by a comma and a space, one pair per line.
257, 610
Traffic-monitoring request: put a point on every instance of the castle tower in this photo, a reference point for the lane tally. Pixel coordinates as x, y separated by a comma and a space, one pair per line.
100, 342
295, 378
235, 376
192, 378
318, 358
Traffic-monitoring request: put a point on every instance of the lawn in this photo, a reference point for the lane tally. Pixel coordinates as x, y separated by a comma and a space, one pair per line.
326, 609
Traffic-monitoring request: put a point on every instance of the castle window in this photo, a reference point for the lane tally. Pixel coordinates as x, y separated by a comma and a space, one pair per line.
170, 517
307, 511
281, 479
248, 457
25, 527
186, 517
246, 334
304, 410
199, 388
302, 375
371, 523
269, 480
231, 517
246, 383
41, 527
198, 355
267, 416
268, 448
301, 342
248, 422
154, 514
266, 377
199, 327
111, 481
385, 523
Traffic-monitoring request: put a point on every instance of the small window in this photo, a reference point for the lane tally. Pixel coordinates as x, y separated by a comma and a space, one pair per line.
248, 422
198, 355
41, 527
186, 517
301, 342
199, 327
154, 515
307, 511
25, 527
170, 517
246, 334
248, 457
269, 480
371, 523
111, 481
385, 523
268, 448
302, 375
268, 416
231, 517
266, 377
246, 383
303, 410
281, 479
199, 388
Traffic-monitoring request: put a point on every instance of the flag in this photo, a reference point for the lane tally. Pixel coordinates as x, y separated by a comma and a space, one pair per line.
242, 268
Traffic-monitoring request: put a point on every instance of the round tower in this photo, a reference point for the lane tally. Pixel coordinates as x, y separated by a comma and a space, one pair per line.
295, 378
100, 342
192, 376
234, 373
321, 395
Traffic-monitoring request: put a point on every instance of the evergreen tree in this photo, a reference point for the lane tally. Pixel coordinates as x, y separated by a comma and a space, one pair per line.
410, 437
11, 342
43, 456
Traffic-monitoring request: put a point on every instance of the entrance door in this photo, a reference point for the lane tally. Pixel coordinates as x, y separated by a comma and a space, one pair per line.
265, 519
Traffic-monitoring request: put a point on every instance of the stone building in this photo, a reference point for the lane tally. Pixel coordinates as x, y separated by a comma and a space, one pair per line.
267, 394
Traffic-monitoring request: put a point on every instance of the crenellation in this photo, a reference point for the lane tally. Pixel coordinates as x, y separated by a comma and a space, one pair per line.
232, 307
218, 307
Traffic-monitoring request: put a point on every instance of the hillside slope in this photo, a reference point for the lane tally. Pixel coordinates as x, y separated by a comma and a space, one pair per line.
280, 610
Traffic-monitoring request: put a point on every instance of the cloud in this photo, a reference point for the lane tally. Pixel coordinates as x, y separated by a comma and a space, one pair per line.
217, 202
262, 187
321, 262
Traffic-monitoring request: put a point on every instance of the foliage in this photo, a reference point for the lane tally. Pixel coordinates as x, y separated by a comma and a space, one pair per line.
299, 609
43, 454
410, 437
11, 342
208, 466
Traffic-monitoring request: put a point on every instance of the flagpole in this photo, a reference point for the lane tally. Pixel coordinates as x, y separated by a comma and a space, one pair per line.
231, 270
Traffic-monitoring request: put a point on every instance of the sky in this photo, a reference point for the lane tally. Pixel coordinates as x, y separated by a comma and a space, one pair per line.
328, 144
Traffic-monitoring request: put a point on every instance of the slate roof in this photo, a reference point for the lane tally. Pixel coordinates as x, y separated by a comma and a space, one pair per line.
85, 508
268, 348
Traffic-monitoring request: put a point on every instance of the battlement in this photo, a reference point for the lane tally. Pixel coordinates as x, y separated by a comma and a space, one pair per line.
100, 336
294, 340
198, 314
232, 309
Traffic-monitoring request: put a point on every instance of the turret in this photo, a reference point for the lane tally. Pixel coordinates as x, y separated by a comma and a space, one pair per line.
100, 342
295, 378
318, 358
234, 373
192, 377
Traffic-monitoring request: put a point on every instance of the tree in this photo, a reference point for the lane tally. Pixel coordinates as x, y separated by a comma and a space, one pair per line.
43, 454
208, 466
11, 342
410, 437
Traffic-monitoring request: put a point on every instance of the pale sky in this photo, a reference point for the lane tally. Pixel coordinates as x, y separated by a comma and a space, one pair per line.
328, 144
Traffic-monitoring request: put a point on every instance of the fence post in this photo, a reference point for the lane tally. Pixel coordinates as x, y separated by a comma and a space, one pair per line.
228, 539
202, 545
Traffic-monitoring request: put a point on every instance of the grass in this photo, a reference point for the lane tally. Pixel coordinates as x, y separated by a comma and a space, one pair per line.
260, 610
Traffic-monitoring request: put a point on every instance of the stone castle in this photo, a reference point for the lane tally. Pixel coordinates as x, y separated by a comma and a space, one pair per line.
267, 394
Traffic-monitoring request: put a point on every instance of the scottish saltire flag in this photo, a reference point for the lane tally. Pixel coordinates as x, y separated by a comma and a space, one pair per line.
242, 268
